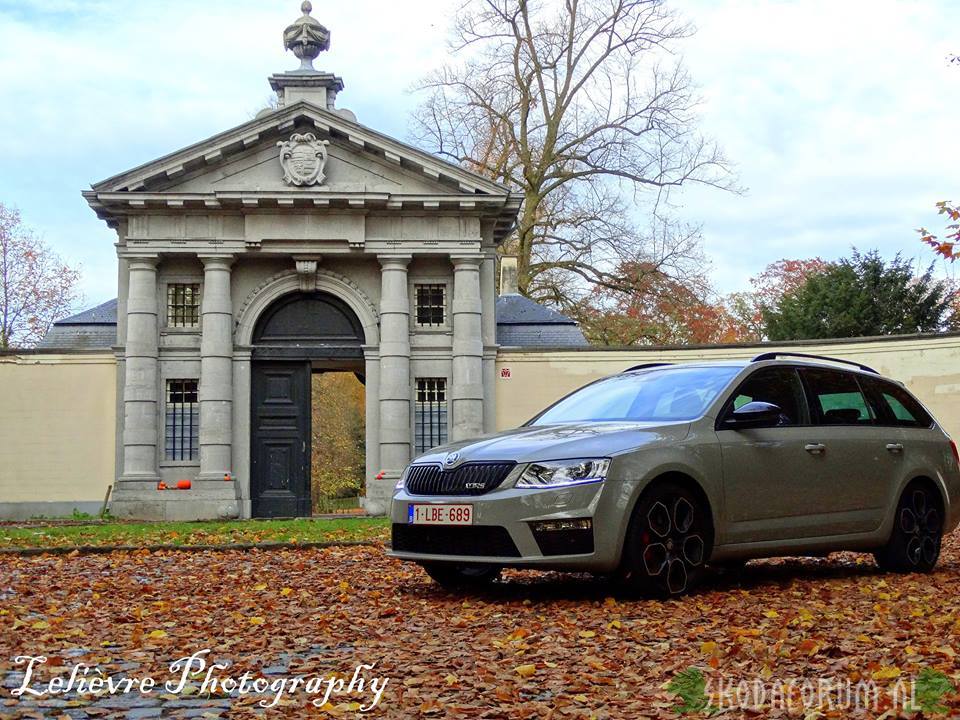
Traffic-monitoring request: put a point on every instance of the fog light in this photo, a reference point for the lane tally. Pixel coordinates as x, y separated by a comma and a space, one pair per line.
555, 525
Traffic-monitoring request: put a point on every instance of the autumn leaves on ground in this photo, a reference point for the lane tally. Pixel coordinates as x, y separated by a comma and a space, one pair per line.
537, 645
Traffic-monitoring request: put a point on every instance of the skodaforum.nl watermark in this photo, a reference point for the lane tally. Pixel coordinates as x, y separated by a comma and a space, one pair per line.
203, 677
696, 692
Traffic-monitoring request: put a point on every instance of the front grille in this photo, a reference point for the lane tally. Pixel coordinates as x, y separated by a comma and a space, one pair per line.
472, 540
467, 479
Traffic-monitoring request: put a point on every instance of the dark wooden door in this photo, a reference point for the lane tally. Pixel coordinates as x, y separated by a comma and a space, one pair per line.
280, 440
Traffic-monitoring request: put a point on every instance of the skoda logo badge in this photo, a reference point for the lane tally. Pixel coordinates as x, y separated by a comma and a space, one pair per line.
452, 458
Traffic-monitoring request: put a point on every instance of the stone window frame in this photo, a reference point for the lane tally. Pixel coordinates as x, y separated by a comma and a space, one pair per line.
179, 279
426, 374
164, 383
447, 283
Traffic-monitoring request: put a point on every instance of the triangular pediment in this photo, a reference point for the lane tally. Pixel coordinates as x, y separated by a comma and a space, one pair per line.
246, 159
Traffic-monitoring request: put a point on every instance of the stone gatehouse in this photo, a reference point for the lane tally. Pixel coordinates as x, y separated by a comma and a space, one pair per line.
296, 242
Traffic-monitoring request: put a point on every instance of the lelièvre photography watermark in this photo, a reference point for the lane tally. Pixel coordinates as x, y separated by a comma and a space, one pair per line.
361, 687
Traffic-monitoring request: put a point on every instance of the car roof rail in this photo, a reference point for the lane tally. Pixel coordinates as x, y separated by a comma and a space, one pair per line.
644, 366
775, 355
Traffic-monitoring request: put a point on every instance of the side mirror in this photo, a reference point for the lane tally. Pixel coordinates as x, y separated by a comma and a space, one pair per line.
754, 414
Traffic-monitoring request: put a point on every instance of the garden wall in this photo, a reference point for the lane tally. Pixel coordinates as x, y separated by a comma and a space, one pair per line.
529, 380
57, 432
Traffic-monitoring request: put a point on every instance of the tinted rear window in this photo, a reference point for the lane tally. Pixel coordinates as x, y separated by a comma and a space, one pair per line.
898, 407
836, 398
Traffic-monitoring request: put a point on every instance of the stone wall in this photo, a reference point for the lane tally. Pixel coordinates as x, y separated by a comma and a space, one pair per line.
58, 415
57, 436
528, 381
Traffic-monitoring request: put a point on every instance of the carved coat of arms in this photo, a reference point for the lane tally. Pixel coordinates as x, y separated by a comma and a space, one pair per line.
303, 158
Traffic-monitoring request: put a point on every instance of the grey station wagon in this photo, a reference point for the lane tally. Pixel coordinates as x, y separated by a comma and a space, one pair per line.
653, 474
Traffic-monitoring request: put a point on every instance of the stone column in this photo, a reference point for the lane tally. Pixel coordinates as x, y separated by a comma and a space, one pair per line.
140, 387
395, 389
488, 302
466, 393
216, 369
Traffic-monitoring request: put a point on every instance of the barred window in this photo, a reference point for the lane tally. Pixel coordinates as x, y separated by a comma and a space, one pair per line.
182, 421
183, 304
430, 414
431, 305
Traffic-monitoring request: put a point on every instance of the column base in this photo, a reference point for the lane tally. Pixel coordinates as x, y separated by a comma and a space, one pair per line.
206, 501
380, 493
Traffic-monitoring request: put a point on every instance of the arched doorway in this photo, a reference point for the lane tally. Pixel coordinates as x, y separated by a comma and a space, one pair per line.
299, 333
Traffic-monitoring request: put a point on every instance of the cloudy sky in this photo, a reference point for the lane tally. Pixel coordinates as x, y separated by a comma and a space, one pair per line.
840, 117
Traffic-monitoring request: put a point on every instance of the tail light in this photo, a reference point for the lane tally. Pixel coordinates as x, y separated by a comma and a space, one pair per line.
956, 455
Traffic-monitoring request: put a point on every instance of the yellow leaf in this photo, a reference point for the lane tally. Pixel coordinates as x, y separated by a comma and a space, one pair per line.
947, 650
257, 620
887, 672
864, 638
525, 670
40, 625
772, 614
261, 586
451, 679
587, 633
609, 602
580, 698
286, 591
805, 614
708, 648
766, 673
615, 624
157, 634
551, 664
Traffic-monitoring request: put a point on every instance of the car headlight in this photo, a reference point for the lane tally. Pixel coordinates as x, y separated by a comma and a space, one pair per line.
402, 480
562, 473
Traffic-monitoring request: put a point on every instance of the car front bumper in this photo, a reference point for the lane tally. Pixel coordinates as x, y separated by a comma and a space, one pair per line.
503, 530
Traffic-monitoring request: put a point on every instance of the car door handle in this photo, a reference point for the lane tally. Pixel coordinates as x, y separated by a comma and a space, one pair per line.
895, 447
814, 448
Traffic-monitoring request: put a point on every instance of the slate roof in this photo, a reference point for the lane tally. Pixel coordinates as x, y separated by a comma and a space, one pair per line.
521, 322
91, 329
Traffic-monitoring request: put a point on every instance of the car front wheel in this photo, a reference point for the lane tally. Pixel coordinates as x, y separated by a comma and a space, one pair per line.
669, 542
456, 576
914, 543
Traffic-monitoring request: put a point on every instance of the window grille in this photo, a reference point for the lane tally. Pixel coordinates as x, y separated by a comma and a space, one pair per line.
430, 414
182, 421
431, 305
183, 304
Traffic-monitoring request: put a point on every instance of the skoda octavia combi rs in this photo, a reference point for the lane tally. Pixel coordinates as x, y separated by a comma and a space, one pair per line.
657, 472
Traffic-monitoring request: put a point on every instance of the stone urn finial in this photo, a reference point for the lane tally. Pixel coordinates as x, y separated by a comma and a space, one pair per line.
307, 38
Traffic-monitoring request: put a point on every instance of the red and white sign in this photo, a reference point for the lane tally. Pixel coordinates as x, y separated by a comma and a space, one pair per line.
505, 373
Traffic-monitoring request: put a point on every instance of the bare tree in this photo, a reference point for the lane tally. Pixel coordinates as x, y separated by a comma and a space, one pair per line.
36, 287
582, 107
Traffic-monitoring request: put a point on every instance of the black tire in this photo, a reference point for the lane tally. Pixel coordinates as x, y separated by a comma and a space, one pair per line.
914, 544
456, 576
730, 567
668, 543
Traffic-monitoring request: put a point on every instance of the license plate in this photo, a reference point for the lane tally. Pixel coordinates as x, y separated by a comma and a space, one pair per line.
439, 514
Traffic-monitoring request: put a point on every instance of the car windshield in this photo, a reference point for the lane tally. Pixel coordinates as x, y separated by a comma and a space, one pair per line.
673, 393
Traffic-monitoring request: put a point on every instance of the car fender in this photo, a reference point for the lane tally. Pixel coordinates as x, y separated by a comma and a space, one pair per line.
637, 475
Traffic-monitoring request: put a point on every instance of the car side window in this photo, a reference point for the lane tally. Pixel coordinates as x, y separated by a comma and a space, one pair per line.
902, 409
779, 386
836, 398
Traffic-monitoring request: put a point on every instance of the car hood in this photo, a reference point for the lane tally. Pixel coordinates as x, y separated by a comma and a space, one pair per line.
558, 442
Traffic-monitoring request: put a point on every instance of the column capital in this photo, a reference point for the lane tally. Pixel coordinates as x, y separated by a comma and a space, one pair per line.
467, 262
395, 262
217, 262
142, 262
